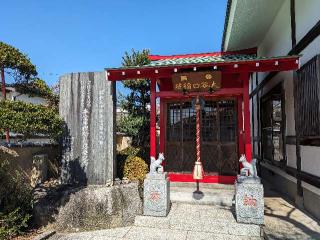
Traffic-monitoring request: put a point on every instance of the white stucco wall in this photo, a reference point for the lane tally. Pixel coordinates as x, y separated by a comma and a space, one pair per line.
24, 98
310, 160
310, 51
33, 100
307, 15
276, 42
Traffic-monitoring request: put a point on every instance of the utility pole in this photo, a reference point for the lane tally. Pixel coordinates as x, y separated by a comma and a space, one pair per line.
4, 94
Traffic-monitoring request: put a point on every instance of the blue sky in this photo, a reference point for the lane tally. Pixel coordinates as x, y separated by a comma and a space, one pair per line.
62, 36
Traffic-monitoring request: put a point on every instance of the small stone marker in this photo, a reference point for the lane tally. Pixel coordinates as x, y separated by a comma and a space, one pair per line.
39, 170
249, 200
156, 195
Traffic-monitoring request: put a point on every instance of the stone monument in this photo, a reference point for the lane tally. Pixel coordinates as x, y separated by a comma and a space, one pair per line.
156, 190
249, 194
87, 106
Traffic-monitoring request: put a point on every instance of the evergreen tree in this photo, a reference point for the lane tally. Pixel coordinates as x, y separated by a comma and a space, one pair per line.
137, 102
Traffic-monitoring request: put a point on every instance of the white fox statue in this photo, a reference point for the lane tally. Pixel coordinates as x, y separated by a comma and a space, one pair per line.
249, 169
156, 165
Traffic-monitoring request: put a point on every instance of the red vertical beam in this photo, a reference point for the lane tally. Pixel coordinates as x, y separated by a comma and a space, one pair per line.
240, 126
4, 94
246, 114
153, 112
162, 124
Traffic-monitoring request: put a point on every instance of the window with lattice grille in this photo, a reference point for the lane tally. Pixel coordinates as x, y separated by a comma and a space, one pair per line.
307, 99
272, 125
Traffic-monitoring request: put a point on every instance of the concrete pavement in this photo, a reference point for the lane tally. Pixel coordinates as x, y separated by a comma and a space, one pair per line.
203, 219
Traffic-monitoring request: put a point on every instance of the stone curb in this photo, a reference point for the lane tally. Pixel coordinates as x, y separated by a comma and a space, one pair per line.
45, 235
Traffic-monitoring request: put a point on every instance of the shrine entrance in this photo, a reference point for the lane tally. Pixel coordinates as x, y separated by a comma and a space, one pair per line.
219, 152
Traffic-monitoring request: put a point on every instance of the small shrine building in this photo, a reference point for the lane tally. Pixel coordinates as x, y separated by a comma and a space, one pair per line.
221, 80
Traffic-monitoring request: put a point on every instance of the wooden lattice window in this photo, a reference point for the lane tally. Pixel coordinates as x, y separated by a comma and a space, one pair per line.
307, 99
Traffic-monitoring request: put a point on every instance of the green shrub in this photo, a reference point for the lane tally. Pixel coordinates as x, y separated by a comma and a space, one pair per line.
130, 151
129, 166
135, 168
13, 223
15, 200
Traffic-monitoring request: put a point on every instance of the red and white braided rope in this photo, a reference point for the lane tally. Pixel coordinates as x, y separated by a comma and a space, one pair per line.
198, 134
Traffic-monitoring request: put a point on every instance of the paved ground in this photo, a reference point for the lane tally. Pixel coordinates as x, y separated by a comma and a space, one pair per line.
284, 221
183, 222
196, 221
138, 233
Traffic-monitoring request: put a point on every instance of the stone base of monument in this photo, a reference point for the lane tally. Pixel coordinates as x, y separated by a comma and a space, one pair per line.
156, 195
249, 200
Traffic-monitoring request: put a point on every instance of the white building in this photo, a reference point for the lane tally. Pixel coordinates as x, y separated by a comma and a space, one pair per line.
285, 106
13, 95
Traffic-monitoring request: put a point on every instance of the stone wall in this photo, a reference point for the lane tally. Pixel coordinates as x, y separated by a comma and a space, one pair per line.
87, 105
23, 162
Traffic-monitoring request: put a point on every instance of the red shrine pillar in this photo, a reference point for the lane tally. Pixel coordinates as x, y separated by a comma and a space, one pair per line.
153, 113
162, 123
240, 125
246, 114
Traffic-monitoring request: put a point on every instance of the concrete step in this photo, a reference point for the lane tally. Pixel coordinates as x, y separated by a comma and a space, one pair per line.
208, 196
202, 185
214, 220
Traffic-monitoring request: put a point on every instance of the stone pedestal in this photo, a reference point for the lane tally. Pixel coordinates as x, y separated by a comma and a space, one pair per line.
249, 200
156, 195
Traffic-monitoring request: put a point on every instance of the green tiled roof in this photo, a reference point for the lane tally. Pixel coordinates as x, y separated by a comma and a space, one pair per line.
202, 59
205, 59
225, 60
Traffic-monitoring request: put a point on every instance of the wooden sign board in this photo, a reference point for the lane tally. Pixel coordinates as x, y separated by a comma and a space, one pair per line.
197, 81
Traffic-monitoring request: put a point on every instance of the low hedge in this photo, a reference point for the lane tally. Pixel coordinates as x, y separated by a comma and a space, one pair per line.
29, 119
